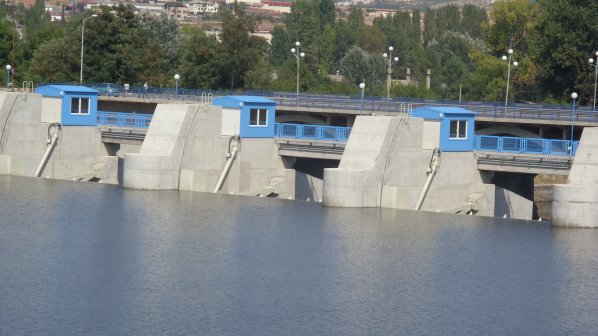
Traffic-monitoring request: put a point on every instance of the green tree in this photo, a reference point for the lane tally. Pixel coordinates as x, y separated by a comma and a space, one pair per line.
327, 13
488, 78
198, 67
35, 38
509, 25
281, 46
358, 66
166, 30
325, 49
239, 52
371, 39
345, 38
355, 18
565, 35
6, 40
56, 61
473, 21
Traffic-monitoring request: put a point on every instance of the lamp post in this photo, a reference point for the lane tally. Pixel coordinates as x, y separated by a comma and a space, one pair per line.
82, 40
595, 78
176, 84
389, 70
515, 64
573, 96
298, 56
8, 67
362, 88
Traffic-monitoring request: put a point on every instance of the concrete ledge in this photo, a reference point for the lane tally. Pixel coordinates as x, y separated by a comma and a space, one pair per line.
149, 172
575, 206
349, 188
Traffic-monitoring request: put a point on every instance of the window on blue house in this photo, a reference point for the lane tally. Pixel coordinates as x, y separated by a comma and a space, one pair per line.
458, 129
258, 117
79, 105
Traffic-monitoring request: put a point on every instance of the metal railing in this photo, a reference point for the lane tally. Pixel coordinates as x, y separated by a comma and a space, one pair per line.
312, 132
121, 119
379, 104
525, 145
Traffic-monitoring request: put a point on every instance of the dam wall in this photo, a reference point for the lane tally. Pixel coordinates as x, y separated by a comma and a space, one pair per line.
24, 139
185, 149
386, 161
386, 164
575, 204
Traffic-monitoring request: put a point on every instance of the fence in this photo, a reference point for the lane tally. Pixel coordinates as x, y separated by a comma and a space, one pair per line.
122, 119
525, 145
312, 132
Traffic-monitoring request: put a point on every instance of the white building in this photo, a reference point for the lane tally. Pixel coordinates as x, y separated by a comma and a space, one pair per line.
198, 7
149, 8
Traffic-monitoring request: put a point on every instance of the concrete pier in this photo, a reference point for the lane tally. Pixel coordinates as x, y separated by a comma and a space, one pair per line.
385, 164
575, 204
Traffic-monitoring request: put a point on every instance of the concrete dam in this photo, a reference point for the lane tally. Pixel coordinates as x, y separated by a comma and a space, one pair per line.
427, 159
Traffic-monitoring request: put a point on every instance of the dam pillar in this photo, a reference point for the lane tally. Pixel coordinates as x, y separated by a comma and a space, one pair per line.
575, 204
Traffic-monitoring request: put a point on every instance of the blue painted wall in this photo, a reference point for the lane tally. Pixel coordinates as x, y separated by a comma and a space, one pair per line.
67, 93
245, 104
446, 115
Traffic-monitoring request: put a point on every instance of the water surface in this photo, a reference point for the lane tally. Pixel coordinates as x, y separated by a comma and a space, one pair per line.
91, 259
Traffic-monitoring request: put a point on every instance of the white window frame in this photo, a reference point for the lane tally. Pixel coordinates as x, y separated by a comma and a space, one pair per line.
461, 125
77, 101
259, 113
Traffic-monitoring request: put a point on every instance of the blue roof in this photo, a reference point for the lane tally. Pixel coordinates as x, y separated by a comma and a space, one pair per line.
440, 112
55, 90
235, 101
445, 110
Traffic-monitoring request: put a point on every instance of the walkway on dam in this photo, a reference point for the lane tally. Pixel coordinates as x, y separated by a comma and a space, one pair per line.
497, 153
346, 105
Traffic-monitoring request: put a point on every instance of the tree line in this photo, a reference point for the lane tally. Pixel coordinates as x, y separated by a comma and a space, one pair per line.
552, 41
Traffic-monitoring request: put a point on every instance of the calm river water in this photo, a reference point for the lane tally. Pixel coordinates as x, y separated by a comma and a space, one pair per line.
91, 259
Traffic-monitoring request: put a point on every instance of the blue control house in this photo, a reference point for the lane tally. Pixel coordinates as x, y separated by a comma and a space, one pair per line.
448, 128
69, 105
248, 116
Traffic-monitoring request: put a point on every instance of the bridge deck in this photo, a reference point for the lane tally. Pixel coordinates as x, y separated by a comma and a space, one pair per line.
123, 135
317, 149
523, 163
491, 112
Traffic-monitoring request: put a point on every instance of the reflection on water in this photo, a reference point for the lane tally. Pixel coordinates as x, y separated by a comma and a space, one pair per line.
82, 258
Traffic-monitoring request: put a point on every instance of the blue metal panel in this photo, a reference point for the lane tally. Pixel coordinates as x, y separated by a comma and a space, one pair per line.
69, 119
245, 104
248, 131
446, 114
239, 101
67, 92
440, 112
312, 132
525, 145
456, 145
58, 90
121, 119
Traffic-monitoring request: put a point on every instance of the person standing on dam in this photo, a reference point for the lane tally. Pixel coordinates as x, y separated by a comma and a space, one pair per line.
145, 94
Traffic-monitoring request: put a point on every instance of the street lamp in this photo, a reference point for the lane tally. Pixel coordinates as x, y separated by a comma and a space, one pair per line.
176, 84
389, 70
298, 56
8, 67
515, 64
573, 96
82, 40
591, 60
362, 87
